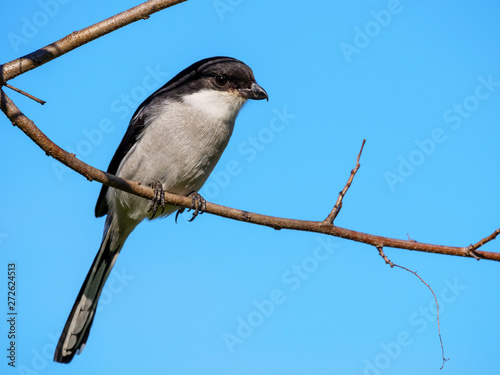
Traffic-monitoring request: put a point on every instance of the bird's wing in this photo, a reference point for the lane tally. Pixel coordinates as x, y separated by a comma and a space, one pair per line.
135, 128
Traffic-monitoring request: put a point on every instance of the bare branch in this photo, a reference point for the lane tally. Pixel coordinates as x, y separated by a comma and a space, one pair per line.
29, 128
338, 204
381, 252
42, 102
78, 38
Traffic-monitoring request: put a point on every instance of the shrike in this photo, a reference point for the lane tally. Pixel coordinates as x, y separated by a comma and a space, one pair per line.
173, 142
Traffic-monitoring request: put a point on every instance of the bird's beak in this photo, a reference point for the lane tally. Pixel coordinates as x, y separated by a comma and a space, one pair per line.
254, 92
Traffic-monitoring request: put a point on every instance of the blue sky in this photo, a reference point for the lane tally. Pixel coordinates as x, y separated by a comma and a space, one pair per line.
419, 80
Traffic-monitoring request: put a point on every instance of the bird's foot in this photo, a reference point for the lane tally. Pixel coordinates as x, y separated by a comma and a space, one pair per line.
158, 199
198, 204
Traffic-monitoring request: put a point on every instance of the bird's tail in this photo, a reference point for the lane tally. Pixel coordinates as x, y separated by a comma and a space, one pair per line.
77, 328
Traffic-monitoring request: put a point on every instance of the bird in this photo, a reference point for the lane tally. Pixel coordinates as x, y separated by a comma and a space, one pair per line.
173, 142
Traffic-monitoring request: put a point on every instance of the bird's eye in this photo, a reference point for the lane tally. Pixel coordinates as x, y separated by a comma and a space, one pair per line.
221, 81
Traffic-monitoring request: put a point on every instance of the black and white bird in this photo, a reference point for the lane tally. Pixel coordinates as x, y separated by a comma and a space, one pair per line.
173, 142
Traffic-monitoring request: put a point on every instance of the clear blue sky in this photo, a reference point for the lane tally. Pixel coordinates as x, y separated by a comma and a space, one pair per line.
419, 80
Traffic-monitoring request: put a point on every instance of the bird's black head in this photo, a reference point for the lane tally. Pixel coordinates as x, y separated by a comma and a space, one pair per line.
217, 73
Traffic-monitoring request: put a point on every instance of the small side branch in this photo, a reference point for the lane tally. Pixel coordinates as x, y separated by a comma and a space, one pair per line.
389, 262
471, 250
42, 102
382, 254
338, 205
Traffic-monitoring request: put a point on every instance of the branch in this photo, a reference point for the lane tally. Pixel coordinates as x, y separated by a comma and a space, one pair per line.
29, 128
338, 204
472, 248
78, 38
42, 102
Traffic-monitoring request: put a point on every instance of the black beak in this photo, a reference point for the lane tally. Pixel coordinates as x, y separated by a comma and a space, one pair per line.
254, 92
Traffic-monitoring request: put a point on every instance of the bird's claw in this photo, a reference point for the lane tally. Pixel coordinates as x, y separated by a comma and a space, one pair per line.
179, 211
198, 204
158, 199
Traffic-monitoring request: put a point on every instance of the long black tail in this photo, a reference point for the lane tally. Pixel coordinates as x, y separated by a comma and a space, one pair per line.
77, 328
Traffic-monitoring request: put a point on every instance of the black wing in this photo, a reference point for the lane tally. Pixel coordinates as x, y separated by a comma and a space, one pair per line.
135, 128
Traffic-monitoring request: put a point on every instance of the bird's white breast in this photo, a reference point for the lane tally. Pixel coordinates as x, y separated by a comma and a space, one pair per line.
223, 105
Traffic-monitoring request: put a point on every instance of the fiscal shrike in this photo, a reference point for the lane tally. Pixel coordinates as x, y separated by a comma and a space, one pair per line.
173, 142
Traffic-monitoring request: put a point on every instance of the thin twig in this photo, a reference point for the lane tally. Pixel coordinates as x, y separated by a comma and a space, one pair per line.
409, 239
381, 252
42, 102
133, 187
338, 205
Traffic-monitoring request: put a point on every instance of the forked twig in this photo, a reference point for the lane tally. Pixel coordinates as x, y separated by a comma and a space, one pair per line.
471, 250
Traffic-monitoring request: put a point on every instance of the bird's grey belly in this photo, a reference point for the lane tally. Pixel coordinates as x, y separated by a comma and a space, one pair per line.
178, 156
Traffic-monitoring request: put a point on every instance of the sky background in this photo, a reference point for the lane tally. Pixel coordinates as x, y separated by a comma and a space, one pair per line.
419, 80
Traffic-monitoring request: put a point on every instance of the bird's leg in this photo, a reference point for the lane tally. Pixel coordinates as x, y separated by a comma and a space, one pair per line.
198, 204
158, 199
